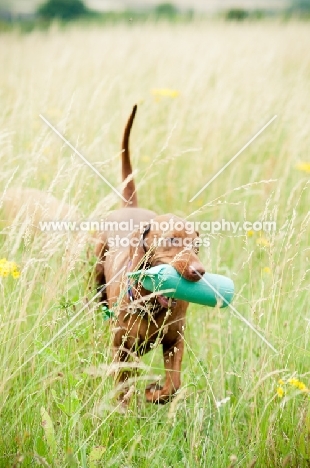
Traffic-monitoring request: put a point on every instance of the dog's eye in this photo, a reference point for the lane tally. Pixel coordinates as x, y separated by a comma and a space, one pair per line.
196, 245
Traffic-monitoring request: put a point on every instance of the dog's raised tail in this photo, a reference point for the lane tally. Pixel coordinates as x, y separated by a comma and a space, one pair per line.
129, 191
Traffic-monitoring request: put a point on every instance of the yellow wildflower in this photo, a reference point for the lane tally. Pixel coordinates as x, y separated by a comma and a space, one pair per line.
263, 242
301, 386
293, 382
303, 166
250, 233
165, 92
267, 270
199, 202
8, 268
298, 384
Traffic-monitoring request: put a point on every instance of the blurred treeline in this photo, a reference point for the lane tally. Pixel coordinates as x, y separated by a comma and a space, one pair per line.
66, 11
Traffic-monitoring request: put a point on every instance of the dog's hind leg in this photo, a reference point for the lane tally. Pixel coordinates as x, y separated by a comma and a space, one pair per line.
100, 278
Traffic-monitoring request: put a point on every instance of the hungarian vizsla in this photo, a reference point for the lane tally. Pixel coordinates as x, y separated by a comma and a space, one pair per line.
144, 319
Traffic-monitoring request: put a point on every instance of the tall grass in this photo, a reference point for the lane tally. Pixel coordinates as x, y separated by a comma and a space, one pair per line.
58, 405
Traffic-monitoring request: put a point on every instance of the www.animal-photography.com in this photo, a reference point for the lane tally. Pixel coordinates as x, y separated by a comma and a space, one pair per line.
154, 219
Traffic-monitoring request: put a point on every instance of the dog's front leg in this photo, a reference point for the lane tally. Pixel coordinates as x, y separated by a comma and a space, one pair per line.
123, 347
173, 360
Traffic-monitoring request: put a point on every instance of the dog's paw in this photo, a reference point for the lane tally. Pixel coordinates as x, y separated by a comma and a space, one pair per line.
154, 394
153, 387
126, 395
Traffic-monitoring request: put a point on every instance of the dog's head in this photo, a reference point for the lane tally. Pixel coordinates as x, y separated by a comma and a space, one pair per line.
167, 240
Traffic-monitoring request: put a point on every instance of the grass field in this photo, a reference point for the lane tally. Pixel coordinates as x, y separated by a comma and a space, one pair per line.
57, 403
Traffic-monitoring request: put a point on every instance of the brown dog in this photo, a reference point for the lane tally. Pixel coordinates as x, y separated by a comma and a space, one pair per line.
144, 321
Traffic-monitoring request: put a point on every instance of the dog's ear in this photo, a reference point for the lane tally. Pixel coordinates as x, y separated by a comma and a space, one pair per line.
139, 253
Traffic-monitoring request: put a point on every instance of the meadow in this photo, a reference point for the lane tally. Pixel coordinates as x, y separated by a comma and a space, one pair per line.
203, 91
